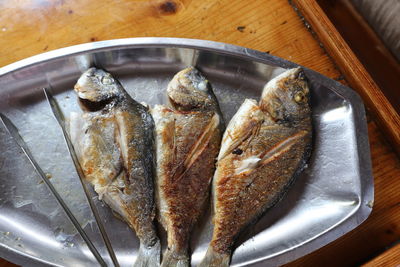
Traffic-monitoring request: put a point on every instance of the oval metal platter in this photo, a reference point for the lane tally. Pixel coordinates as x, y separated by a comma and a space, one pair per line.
332, 196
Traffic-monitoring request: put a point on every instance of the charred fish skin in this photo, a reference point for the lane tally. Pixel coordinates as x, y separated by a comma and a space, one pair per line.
264, 148
114, 142
188, 136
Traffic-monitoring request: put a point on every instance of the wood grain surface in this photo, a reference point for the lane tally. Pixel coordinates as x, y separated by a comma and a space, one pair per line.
388, 258
29, 27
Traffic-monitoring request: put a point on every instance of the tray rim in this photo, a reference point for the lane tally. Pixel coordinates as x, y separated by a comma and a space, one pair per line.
363, 151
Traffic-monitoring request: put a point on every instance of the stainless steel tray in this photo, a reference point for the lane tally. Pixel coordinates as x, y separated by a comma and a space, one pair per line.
333, 196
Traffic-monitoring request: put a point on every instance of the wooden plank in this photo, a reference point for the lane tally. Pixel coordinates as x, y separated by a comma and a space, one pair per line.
352, 69
31, 27
4, 263
356, 32
390, 257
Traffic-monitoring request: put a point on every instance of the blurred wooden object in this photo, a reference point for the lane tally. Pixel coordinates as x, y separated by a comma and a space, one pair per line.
353, 71
377, 59
30, 27
4, 263
383, 17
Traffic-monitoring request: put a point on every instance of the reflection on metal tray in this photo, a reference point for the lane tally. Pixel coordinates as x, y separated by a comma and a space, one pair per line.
332, 196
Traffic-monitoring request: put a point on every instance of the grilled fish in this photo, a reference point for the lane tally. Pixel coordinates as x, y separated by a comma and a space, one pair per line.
113, 139
264, 147
188, 136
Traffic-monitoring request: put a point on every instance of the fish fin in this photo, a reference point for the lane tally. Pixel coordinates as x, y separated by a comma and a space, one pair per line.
243, 125
165, 148
251, 164
215, 259
198, 148
170, 259
148, 256
283, 146
203, 141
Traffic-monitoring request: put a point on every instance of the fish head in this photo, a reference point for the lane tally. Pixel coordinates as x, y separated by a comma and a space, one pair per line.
190, 90
286, 98
96, 85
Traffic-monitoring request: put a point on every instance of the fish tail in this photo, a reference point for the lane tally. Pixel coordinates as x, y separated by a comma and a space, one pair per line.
215, 259
148, 256
172, 259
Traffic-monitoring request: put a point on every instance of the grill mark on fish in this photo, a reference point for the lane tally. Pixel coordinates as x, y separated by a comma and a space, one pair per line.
282, 147
271, 154
188, 136
198, 148
204, 139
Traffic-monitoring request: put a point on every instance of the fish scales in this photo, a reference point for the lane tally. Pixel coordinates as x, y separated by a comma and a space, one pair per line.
182, 181
188, 136
265, 146
114, 142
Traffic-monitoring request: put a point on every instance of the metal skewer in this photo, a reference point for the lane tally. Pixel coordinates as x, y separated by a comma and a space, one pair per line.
60, 119
13, 131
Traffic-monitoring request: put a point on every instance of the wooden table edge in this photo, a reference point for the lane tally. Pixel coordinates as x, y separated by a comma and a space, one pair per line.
352, 69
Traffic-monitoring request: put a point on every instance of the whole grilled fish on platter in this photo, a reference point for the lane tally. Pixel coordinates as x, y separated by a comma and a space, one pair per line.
113, 139
188, 136
338, 179
265, 146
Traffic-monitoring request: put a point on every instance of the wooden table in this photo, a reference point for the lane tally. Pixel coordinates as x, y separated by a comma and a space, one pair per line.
29, 27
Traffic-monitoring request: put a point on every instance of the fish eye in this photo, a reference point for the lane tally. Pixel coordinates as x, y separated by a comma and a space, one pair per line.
106, 80
299, 97
202, 86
